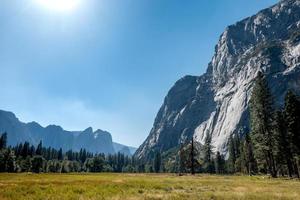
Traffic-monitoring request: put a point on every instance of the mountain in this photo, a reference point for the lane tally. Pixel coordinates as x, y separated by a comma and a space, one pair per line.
217, 102
98, 141
127, 150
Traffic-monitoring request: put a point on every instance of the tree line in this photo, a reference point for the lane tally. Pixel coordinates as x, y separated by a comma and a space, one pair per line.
29, 158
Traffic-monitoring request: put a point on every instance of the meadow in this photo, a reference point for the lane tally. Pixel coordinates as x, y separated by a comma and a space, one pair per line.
143, 186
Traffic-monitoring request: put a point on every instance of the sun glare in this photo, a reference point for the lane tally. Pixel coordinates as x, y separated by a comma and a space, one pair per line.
59, 5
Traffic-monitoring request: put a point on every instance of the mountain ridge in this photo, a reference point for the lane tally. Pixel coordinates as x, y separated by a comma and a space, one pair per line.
217, 102
55, 136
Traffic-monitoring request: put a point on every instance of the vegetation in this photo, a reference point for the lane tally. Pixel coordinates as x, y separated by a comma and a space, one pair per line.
28, 158
143, 186
273, 147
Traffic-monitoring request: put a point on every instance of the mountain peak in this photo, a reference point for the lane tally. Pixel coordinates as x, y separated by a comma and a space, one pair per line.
55, 136
88, 130
217, 103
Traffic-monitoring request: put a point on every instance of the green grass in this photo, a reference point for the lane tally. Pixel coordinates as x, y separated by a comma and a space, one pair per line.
143, 186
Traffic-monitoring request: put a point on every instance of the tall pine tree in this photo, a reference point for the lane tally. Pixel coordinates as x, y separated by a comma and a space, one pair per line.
192, 157
261, 111
282, 148
3, 141
292, 117
232, 155
249, 160
157, 162
208, 153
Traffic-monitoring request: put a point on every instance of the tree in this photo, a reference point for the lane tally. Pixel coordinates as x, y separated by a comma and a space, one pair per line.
282, 148
249, 159
219, 163
207, 150
25, 164
7, 160
82, 155
157, 162
53, 166
98, 164
181, 159
3, 141
192, 157
60, 154
39, 149
292, 116
232, 155
239, 153
10, 161
25, 150
261, 111
37, 164
65, 167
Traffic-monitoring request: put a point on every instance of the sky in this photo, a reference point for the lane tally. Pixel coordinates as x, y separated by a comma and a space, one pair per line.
106, 64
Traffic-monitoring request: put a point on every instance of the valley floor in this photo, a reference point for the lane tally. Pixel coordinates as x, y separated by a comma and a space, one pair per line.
143, 186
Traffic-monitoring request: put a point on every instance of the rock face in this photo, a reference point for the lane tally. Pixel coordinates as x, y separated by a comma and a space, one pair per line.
126, 150
56, 137
217, 102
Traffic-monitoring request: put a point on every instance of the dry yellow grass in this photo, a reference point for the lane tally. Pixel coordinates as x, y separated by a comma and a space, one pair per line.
143, 186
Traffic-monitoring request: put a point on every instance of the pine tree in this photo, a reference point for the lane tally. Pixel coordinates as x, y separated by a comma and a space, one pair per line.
239, 163
60, 154
261, 111
250, 162
232, 155
3, 141
25, 150
219, 163
192, 157
157, 162
181, 159
207, 150
37, 164
292, 116
39, 149
283, 148
10, 161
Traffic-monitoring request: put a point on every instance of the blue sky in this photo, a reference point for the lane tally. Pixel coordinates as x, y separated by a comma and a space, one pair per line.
107, 63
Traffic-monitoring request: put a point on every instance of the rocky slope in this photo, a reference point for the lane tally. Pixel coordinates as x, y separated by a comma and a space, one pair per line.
217, 102
55, 136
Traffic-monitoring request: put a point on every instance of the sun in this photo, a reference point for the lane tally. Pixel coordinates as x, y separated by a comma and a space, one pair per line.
59, 5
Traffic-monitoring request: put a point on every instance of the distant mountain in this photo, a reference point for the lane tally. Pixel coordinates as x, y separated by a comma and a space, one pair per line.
217, 102
127, 150
98, 141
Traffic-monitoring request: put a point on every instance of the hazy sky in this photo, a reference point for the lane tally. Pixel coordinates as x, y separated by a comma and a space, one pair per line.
106, 63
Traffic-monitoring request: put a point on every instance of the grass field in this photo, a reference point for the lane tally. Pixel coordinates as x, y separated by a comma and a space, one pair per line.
143, 186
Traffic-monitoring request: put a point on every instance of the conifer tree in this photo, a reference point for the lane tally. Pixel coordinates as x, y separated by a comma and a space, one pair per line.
3, 141
207, 150
181, 159
219, 163
283, 148
60, 154
39, 149
25, 150
292, 116
192, 157
239, 163
232, 155
249, 159
261, 111
37, 164
157, 162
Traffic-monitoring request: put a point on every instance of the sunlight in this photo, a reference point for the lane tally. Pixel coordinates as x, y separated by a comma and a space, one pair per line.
59, 5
